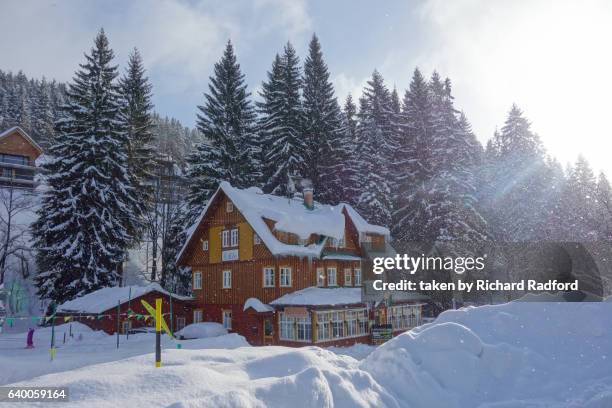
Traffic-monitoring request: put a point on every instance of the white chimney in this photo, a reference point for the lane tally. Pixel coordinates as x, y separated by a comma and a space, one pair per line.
308, 198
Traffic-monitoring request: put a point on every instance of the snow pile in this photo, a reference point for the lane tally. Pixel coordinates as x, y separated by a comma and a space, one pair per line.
314, 296
106, 298
87, 347
246, 377
543, 354
202, 330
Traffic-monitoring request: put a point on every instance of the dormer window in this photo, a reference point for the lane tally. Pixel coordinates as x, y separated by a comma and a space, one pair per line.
229, 207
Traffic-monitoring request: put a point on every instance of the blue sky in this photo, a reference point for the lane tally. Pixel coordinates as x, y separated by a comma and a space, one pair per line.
550, 57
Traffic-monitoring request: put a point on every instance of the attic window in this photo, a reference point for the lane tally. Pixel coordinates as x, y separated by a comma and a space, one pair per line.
229, 207
205, 245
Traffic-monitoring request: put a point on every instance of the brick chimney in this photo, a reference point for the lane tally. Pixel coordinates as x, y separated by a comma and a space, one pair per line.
308, 198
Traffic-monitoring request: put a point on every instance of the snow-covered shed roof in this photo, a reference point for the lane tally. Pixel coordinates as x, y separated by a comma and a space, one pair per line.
314, 296
257, 305
22, 133
106, 298
290, 215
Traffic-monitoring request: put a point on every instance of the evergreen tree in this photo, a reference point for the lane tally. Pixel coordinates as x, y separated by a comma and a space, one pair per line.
137, 114
374, 138
351, 179
604, 207
412, 161
90, 207
580, 201
516, 189
281, 119
227, 121
326, 153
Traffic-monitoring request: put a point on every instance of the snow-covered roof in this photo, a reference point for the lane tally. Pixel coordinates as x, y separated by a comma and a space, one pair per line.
22, 133
257, 305
106, 298
364, 227
290, 215
314, 296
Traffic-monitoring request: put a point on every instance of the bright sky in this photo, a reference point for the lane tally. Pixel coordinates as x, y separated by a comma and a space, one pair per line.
552, 57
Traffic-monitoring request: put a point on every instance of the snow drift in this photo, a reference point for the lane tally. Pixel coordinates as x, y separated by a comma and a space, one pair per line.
553, 355
543, 354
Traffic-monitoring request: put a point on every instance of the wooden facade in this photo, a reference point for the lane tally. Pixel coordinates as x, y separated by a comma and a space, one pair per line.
246, 257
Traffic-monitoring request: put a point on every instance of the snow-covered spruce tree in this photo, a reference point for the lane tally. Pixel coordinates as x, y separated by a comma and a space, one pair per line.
351, 171
326, 153
581, 207
280, 124
137, 113
515, 189
374, 134
412, 161
604, 207
227, 121
89, 206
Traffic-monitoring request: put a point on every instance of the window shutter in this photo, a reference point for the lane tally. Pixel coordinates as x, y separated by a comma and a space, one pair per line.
245, 241
214, 244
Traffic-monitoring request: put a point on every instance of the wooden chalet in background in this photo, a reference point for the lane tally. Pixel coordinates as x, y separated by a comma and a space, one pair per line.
287, 271
18, 154
117, 307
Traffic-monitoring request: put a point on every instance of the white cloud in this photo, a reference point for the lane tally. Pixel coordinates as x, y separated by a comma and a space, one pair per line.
549, 57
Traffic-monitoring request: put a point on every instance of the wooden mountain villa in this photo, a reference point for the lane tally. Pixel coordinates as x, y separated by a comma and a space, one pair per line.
288, 271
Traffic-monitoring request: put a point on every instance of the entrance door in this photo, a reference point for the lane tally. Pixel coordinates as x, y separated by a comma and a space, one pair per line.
268, 331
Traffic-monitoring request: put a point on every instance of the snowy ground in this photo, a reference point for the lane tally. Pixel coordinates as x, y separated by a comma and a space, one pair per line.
515, 355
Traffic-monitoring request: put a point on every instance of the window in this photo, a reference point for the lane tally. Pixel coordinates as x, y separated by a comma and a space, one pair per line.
205, 245
268, 277
14, 159
256, 239
336, 324
229, 207
331, 277
287, 327
285, 277
180, 323
357, 277
303, 325
230, 238
348, 277
295, 328
227, 319
320, 277
234, 238
197, 280
227, 279
197, 316
323, 326
404, 316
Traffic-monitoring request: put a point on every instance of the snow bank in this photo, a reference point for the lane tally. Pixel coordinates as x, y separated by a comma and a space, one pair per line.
202, 330
246, 377
552, 354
